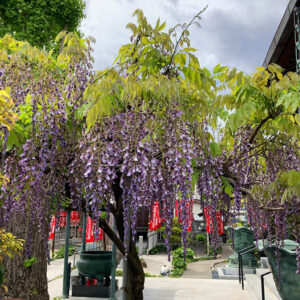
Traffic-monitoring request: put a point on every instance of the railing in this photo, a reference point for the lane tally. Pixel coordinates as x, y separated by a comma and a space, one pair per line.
240, 260
262, 281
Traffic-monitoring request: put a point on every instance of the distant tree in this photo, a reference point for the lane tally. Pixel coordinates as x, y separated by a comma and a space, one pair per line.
39, 21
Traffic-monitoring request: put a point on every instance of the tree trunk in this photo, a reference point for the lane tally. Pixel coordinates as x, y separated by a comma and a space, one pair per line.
136, 277
30, 282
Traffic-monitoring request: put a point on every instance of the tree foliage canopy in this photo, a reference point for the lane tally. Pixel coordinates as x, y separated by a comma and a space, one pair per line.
150, 128
39, 21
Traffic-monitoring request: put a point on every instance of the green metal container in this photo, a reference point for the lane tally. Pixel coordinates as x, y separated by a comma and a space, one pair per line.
95, 264
288, 282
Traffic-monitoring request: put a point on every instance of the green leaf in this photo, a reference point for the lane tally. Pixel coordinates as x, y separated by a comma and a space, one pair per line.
145, 40
215, 149
189, 49
81, 111
102, 107
216, 69
12, 140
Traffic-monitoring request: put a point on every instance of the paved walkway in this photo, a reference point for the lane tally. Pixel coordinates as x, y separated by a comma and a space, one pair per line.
202, 269
194, 284
177, 289
155, 263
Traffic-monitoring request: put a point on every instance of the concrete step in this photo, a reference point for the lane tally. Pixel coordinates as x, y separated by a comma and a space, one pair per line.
254, 286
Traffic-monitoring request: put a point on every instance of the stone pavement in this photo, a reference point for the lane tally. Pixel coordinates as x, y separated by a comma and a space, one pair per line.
56, 267
177, 289
189, 286
155, 263
202, 269
193, 289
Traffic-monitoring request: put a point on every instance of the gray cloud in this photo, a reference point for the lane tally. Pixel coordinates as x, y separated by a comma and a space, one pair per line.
234, 32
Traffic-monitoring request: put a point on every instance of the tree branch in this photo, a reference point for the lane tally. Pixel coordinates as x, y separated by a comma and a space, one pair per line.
180, 38
262, 122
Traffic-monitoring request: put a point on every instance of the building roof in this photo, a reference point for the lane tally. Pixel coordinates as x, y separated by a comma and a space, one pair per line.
282, 48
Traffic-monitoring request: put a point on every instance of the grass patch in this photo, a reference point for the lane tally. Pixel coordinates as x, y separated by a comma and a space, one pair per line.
204, 258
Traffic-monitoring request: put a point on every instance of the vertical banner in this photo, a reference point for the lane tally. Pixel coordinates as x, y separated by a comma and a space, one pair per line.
89, 237
191, 217
51, 233
190, 210
220, 223
155, 219
63, 218
208, 220
75, 218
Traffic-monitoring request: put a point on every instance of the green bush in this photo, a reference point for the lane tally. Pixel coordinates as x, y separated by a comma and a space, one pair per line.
158, 249
175, 237
176, 272
211, 250
201, 238
61, 252
180, 261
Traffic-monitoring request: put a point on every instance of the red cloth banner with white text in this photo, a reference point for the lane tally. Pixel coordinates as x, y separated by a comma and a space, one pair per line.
90, 236
155, 219
62, 218
208, 221
190, 213
75, 218
51, 233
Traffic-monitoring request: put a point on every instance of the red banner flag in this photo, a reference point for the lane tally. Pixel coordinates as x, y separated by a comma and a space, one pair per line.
51, 233
190, 210
191, 217
75, 218
208, 220
155, 220
63, 218
89, 237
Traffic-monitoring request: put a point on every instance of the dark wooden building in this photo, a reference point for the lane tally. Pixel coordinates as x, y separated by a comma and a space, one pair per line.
285, 47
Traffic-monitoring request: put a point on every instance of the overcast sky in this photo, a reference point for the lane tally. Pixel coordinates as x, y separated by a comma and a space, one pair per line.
237, 33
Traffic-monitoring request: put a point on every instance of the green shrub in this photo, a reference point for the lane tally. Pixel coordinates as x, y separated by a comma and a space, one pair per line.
158, 249
61, 252
176, 272
211, 250
201, 238
175, 237
204, 258
180, 261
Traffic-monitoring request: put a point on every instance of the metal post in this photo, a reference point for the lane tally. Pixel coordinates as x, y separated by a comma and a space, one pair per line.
83, 230
65, 294
242, 272
74, 258
239, 260
113, 267
263, 284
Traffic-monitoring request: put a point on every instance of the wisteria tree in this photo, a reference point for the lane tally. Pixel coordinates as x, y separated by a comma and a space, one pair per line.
148, 129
